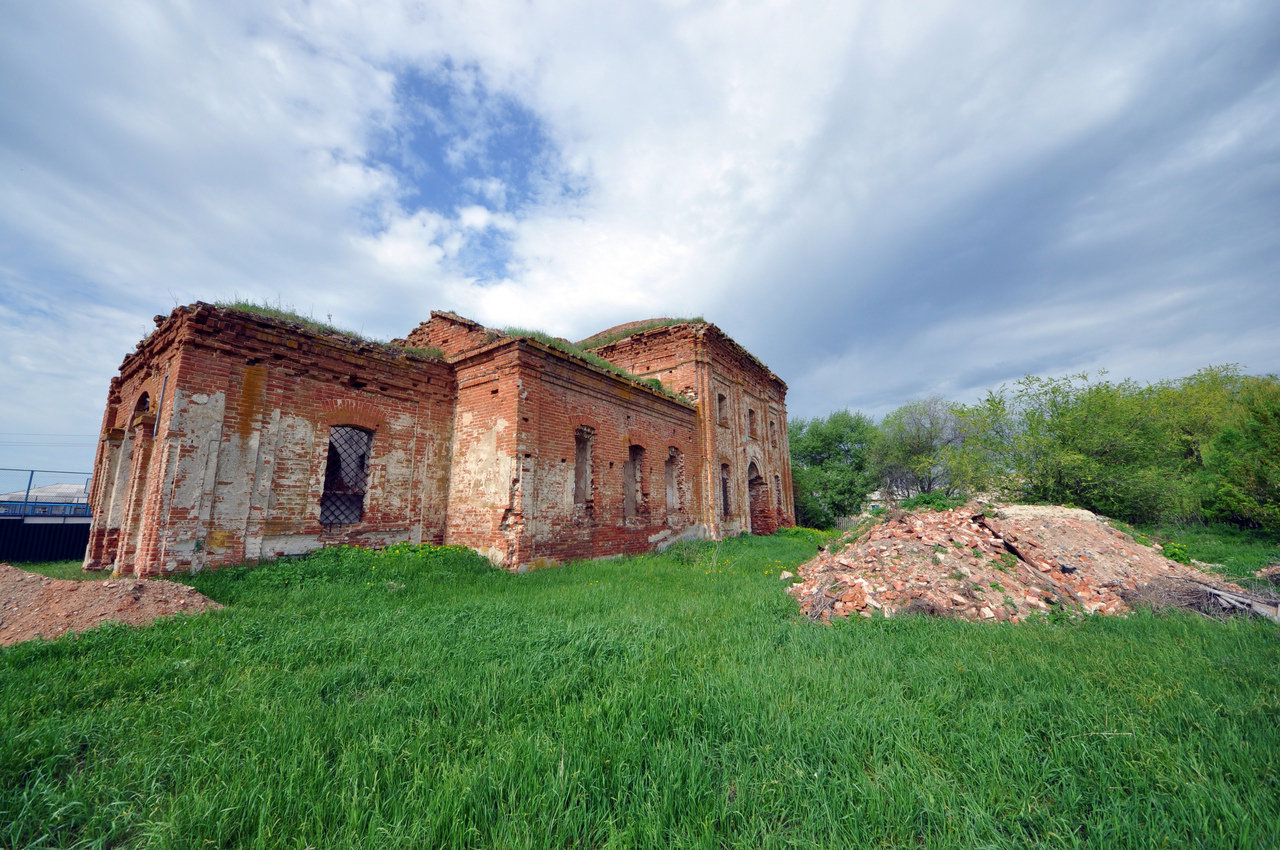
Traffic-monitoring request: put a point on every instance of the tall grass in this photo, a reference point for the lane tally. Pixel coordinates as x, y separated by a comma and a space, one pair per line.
418, 698
288, 313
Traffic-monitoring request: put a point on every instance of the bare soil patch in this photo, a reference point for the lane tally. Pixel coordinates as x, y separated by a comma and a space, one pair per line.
1005, 563
38, 606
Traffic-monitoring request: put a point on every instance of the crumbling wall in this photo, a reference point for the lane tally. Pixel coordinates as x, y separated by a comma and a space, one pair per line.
634, 432
216, 443
672, 354
742, 420
483, 483
451, 334
513, 492
231, 466
749, 404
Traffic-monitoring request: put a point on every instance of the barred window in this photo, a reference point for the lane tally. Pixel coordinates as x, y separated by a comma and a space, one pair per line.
346, 475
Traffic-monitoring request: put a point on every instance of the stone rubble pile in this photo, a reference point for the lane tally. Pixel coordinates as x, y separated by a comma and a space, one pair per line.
993, 563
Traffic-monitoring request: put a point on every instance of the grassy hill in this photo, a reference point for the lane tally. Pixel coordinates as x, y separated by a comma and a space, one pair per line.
418, 698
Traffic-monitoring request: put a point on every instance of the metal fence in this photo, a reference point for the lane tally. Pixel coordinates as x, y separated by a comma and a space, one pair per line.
43, 492
44, 514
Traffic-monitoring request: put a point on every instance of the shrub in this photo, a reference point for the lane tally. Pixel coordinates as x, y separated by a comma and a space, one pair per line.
935, 501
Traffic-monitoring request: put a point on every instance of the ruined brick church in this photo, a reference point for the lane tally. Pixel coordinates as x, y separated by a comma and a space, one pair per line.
233, 436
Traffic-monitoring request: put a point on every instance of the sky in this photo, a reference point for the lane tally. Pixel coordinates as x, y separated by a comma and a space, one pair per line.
883, 201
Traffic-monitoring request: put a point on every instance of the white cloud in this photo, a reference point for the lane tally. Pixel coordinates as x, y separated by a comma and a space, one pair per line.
847, 187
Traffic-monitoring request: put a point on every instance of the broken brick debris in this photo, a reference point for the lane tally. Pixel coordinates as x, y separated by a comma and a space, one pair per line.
1003, 564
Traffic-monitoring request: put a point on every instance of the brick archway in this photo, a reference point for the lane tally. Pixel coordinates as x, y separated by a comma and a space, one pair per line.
763, 520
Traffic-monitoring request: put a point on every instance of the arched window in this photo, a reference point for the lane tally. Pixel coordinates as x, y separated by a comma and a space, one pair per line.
346, 475
722, 409
751, 424
758, 501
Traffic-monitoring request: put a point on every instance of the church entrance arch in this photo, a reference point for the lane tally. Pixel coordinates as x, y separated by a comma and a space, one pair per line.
762, 518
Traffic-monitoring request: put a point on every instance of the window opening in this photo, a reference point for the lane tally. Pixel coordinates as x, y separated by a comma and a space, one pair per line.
633, 482
346, 475
777, 491
724, 490
722, 409
773, 433
751, 423
671, 470
758, 501
583, 438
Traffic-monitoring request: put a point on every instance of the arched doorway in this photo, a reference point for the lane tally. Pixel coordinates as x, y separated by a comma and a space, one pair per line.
141, 430
762, 517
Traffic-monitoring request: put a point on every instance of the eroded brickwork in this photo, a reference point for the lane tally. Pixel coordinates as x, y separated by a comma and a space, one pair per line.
216, 444
227, 461
742, 418
451, 334
633, 432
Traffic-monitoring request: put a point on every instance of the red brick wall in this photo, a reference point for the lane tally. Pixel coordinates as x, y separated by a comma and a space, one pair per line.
748, 386
452, 334
703, 363
228, 464
482, 481
236, 466
512, 483
560, 396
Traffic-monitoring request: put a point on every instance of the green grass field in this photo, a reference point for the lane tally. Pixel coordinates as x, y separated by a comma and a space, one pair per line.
68, 570
418, 698
1241, 553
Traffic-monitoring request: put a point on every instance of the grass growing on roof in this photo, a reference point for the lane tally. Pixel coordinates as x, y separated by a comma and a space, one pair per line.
592, 358
603, 339
430, 351
418, 698
287, 313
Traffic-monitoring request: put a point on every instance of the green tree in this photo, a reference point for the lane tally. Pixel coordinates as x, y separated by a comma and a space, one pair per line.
830, 468
1123, 449
1245, 457
806, 487
915, 444
981, 460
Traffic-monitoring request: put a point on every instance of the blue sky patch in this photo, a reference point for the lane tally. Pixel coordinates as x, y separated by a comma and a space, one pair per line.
452, 136
454, 143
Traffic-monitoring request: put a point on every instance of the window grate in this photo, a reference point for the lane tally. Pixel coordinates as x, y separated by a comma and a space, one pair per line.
346, 475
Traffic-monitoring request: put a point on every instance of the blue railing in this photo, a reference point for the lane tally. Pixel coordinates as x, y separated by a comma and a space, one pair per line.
43, 493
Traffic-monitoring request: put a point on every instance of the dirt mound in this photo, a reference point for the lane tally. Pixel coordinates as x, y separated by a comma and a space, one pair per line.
1003, 563
36, 606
